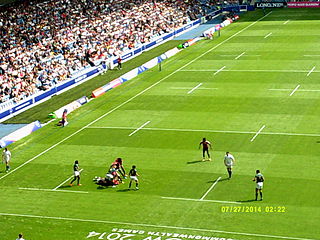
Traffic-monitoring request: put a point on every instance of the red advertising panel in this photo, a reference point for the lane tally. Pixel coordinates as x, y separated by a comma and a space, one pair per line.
303, 4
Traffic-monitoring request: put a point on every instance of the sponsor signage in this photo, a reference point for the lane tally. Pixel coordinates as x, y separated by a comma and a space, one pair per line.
303, 4
270, 5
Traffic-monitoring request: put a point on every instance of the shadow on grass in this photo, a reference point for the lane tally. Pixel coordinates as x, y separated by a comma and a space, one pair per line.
66, 186
125, 190
244, 201
193, 162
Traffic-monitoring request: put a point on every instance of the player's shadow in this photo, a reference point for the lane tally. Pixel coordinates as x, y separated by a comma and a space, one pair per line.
125, 190
193, 162
65, 186
244, 201
221, 180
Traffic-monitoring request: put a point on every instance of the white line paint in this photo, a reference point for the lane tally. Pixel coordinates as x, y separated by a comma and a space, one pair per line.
215, 131
294, 90
213, 185
199, 200
219, 70
311, 55
194, 88
286, 22
200, 88
300, 90
258, 235
260, 130
135, 96
68, 179
239, 56
268, 35
234, 55
139, 128
248, 70
51, 190
311, 71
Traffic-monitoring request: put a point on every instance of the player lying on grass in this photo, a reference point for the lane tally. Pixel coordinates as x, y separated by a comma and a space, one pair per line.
112, 178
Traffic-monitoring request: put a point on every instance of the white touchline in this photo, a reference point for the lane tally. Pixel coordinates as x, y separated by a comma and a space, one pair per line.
311, 55
214, 184
268, 35
247, 70
294, 90
300, 90
219, 70
254, 137
239, 56
50, 190
64, 182
139, 128
215, 131
200, 88
199, 200
286, 22
152, 226
194, 88
135, 96
311, 71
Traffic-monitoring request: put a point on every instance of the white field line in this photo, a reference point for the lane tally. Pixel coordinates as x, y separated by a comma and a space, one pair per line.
311, 71
286, 22
64, 182
258, 235
213, 185
214, 131
233, 55
200, 88
247, 70
139, 128
294, 90
199, 200
50, 190
260, 130
132, 98
239, 56
221, 69
311, 55
194, 88
267, 35
300, 90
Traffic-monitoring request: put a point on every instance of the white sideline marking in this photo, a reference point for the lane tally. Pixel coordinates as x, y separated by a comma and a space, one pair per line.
64, 182
239, 56
153, 226
216, 131
135, 96
311, 55
219, 70
294, 90
267, 35
51, 190
199, 200
194, 88
247, 70
311, 71
286, 22
200, 88
254, 137
300, 90
213, 185
139, 128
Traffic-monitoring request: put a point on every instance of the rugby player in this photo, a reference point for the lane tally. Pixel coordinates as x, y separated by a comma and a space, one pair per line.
259, 179
229, 161
76, 170
6, 158
205, 149
134, 176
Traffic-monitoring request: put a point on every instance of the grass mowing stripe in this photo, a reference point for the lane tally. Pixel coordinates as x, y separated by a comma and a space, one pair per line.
294, 90
51, 190
139, 128
200, 200
194, 88
213, 185
214, 131
132, 98
311, 71
254, 137
154, 226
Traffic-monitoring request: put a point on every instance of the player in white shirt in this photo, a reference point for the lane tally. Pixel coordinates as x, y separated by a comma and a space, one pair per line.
229, 161
6, 158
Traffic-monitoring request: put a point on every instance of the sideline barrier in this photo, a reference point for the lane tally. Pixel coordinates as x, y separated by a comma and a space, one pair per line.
86, 74
133, 73
19, 134
217, 27
70, 107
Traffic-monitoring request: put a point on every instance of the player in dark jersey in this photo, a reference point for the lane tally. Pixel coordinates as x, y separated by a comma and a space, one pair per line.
259, 179
76, 170
134, 176
205, 149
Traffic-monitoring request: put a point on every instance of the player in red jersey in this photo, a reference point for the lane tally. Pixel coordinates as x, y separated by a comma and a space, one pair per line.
118, 163
205, 149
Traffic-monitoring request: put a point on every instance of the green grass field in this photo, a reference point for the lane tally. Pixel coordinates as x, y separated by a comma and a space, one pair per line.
254, 91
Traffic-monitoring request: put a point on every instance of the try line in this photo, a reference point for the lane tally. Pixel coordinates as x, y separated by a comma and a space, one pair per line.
132, 98
258, 235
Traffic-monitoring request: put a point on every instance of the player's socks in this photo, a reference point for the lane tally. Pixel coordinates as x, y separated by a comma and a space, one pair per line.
130, 185
256, 196
261, 195
137, 186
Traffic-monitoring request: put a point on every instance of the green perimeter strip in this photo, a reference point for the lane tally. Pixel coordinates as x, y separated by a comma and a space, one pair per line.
155, 226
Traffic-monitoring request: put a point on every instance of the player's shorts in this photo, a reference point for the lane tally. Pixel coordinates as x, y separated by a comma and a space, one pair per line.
134, 178
76, 173
229, 166
259, 185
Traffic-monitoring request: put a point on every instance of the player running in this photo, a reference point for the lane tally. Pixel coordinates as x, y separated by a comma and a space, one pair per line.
205, 149
134, 176
6, 158
229, 161
259, 179
76, 170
